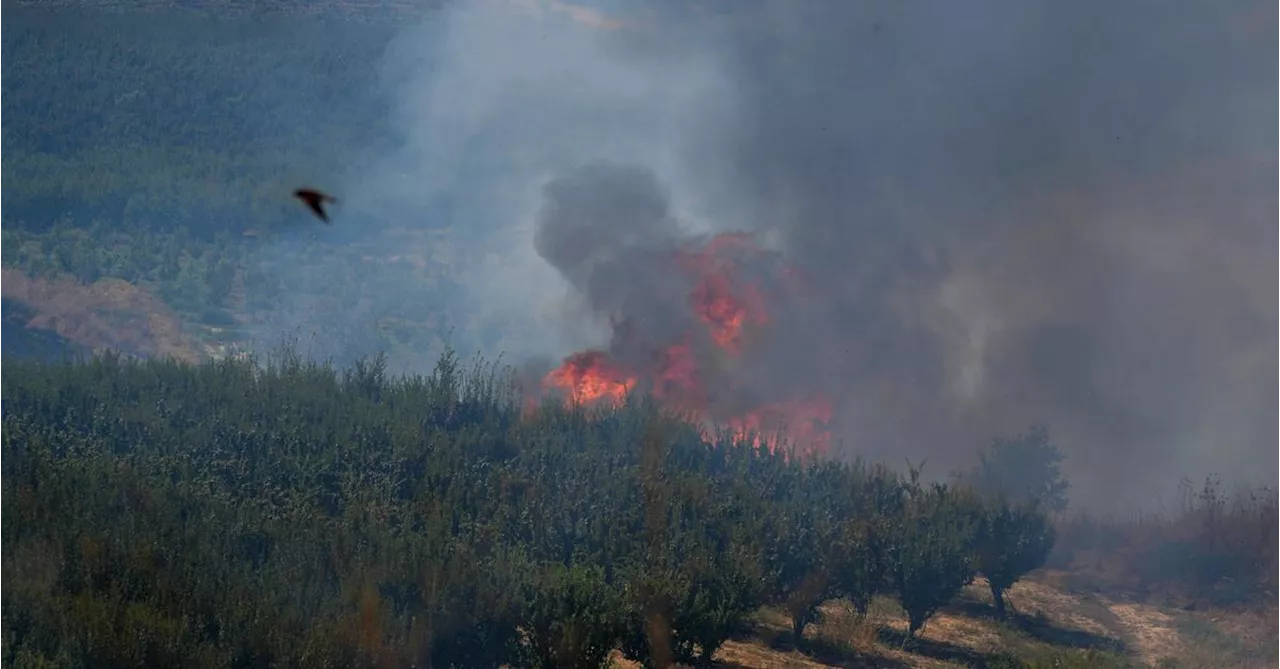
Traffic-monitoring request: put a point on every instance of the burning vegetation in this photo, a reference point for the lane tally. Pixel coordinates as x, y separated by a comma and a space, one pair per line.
691, 316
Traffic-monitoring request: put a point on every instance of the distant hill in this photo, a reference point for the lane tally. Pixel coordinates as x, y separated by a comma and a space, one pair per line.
156, 143
182, 119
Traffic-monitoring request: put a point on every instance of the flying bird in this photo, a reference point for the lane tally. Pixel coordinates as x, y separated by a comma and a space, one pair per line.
315, 199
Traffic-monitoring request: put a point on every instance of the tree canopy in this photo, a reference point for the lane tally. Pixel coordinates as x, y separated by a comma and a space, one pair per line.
284, 511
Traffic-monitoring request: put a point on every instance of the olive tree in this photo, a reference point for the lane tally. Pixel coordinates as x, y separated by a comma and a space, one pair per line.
1012, 540
932, 556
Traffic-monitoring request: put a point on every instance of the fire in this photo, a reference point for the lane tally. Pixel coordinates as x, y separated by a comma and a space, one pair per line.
719, 299
802, 423
682, 374
589, 377
726, 310
677, 377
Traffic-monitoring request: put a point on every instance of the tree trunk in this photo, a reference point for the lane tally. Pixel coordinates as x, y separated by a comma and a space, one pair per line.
997, 595
708, 652
861, 605
914, 625
799, 620
658, 632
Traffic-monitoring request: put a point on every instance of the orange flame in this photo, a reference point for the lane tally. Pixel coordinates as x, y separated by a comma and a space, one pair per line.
803, 424
677, 377
726, 306
719, 299
589, 377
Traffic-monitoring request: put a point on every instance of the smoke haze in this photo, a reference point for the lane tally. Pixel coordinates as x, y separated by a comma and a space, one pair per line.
1006, 211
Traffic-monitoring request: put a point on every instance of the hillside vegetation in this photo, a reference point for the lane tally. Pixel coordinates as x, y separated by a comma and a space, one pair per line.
158, 145
245, 515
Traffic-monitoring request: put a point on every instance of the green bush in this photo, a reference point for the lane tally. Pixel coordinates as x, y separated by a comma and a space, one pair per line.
1012, 539
1023, 469
932, 556
572, 618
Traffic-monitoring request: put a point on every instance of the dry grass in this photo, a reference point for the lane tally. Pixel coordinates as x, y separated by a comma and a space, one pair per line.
1151, 631
107, 314
756, 654
1224, 639
1051, 628
1217, 549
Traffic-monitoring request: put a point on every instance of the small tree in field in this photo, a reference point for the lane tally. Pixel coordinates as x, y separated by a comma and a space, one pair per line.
864, 547
571, 617
865, 542
933, 557
1012, 539
1022, 469
726, 588
652, 598
803, 560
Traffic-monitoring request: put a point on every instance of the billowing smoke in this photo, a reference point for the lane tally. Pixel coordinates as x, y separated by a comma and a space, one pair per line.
1023, 210
624, 266
488, 101
699, 321
1003, 211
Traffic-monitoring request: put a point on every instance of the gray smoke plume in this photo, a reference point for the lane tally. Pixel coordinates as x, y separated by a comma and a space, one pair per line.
1005, 211
1024, 211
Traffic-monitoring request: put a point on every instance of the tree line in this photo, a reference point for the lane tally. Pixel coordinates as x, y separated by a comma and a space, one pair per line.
252, 513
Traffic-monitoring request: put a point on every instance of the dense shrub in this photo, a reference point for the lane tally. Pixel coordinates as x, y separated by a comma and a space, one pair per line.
1012, 539
804, 554
1023, 468
571, 617
933, 555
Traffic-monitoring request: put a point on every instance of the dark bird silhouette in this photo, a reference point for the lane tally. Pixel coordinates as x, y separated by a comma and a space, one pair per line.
315, 199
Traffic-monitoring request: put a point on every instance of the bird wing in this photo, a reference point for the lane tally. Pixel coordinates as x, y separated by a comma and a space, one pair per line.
315, 201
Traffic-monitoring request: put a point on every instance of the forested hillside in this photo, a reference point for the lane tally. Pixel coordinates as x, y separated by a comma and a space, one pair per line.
168, 119
237, 515
158, 145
